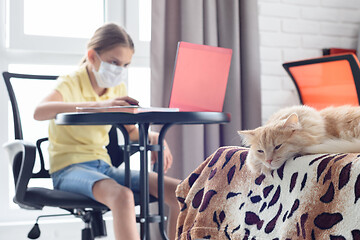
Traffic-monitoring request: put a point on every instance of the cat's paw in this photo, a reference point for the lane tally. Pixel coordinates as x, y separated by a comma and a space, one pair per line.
254, 167
265, 170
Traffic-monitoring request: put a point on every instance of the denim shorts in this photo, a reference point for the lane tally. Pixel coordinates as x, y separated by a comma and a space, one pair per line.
80, 177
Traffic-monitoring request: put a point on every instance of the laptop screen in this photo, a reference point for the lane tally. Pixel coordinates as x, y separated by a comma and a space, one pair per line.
200, 77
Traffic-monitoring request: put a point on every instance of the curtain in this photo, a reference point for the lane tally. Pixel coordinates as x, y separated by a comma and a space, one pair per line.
224, 23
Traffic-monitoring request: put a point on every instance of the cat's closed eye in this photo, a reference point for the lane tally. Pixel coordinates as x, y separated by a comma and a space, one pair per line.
260, 151
278, 146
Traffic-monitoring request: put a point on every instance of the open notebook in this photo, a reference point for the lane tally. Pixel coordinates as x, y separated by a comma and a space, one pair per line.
199, 81
126, 109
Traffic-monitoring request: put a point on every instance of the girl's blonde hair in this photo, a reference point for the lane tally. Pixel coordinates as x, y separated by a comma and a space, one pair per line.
108, 36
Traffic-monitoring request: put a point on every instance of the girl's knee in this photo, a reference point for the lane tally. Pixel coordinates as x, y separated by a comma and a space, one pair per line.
122, 196
123, 193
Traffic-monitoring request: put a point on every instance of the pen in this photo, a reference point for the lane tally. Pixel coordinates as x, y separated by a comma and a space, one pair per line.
134, 103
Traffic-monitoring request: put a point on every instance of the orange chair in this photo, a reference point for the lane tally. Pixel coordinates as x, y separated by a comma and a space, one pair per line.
326, 81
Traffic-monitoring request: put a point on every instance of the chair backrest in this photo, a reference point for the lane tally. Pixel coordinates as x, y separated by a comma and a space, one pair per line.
25, 92
326, 81
8, 78
24, 96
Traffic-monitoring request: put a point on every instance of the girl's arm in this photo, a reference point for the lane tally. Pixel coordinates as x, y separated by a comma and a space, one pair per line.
54, 104
133, 132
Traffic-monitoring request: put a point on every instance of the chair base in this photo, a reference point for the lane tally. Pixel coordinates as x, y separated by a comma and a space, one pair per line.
95, 225
86, 234
98, 225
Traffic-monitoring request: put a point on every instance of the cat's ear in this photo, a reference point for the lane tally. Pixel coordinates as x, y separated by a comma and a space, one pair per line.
246, 136
292, 122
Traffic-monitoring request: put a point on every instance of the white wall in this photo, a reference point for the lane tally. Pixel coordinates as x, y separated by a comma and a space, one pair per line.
298, 29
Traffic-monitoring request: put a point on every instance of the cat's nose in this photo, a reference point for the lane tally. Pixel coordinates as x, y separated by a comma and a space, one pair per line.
269, 161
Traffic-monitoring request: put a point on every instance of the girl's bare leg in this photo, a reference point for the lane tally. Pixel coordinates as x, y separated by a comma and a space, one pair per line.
170, 185
120, 200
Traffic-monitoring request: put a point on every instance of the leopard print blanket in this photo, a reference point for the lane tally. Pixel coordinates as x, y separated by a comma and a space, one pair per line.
309, 197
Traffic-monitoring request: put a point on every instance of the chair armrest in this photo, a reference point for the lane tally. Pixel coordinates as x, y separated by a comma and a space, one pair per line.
43, 173
22, 158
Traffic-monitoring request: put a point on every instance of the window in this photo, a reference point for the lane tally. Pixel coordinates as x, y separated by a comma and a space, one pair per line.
145, 20
64, 26
62, 20
49, 37
52, 26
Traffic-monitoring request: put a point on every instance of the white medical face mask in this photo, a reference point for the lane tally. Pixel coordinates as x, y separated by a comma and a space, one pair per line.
109, 75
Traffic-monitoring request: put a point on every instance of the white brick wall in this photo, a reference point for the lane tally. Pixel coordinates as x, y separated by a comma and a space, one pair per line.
297, 29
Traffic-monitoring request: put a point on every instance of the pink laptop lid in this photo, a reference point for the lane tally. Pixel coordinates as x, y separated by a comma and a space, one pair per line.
200, 77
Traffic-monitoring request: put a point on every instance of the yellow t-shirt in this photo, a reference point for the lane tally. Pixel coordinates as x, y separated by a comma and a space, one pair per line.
76, 144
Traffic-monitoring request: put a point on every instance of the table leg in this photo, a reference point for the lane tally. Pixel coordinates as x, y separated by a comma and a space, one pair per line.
144, 181
144, 185
161, 179
127, 149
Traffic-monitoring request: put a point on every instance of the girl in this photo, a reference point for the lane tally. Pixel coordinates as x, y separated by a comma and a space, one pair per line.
78, 160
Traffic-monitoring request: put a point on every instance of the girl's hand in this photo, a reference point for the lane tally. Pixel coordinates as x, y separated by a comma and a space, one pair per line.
119, 101
167, 156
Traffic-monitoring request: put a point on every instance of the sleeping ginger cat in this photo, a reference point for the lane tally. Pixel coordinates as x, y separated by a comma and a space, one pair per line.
302, 130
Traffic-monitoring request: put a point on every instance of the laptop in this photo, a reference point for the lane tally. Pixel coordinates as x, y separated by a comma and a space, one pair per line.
199, 81
200, 77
